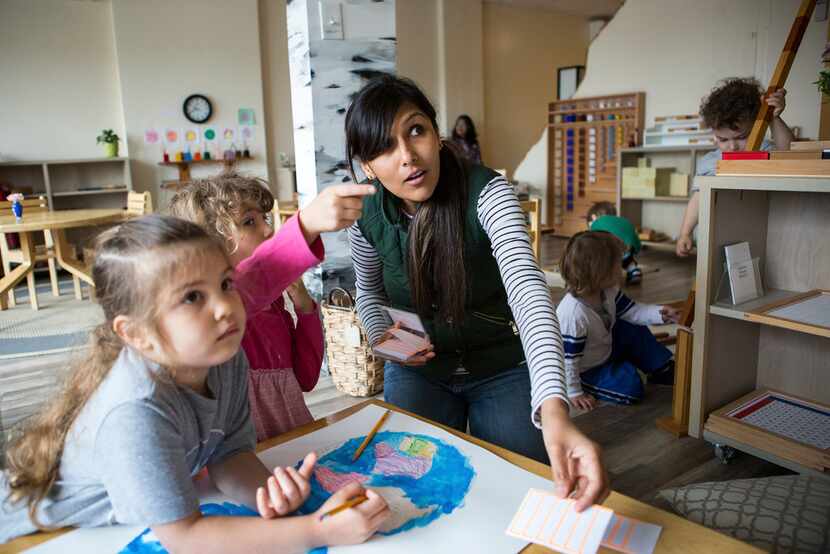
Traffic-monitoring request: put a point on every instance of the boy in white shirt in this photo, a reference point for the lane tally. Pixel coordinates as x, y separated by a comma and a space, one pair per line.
604, 332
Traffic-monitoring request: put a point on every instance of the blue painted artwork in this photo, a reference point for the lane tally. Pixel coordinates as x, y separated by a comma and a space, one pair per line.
421, 478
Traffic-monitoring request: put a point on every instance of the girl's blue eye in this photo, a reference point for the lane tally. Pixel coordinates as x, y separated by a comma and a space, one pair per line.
192, 297
227, 284
248, 222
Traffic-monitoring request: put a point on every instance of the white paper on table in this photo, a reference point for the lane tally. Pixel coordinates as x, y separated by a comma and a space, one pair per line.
631, 536
476, 526
553, 522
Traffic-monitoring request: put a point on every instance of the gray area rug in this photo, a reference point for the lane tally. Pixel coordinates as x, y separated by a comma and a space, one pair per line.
62, 323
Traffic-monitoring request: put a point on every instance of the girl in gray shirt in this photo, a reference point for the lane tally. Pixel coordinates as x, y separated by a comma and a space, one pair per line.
161, 395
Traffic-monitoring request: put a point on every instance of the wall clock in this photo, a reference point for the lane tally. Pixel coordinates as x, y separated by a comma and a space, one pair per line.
197, 108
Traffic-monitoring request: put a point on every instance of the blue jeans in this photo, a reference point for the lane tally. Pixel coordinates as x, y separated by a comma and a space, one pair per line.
497, 408
633, 347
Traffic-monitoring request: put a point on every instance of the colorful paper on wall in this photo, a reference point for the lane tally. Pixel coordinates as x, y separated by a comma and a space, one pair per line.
209, 134
191, 136
151, 136
246, 116
172, 136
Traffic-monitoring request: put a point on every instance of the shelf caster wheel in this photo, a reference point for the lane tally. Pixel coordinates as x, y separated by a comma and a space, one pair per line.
724, 453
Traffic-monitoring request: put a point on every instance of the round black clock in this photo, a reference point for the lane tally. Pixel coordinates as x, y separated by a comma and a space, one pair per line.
197, 108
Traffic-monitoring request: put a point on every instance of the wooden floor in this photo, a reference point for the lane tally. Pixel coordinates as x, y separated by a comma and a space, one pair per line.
641, 459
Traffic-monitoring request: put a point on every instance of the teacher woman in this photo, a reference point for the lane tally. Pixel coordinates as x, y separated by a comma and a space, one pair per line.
447, 239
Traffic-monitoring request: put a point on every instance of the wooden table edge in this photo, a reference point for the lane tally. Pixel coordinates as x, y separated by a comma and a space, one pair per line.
618, 502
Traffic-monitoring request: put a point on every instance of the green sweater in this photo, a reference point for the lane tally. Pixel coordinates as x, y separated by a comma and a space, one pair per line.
621, 228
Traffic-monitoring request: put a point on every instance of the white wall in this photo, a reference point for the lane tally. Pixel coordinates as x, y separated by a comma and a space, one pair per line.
58, 79
676, 51
198, 46
440, 48
276, 90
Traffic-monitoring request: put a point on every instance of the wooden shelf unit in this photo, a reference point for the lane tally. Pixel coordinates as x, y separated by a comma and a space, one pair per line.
73, 184
785, 221
184, 168
584, 136
661, 213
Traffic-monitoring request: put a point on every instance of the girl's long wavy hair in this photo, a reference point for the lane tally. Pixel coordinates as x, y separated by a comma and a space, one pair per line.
133, 262
217, 203
437, 274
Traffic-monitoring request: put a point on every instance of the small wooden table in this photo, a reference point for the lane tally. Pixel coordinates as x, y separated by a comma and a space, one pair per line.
678, 536
57, 222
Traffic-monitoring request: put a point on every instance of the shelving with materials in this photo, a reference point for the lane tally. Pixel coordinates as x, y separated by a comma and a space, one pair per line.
736, 352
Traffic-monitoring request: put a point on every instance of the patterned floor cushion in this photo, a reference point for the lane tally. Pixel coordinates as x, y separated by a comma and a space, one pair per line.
786, 514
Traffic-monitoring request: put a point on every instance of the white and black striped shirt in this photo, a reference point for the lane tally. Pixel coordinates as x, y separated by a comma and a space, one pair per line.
503, 221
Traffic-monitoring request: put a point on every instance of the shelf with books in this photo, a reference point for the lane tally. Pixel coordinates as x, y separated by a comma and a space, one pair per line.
778, 341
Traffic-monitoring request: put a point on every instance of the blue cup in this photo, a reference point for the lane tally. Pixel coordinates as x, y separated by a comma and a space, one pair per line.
17, 210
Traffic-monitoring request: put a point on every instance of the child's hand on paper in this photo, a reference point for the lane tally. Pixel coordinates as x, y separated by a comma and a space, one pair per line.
669, 314
353, 525
286, 489
777, 101
337, 207
584, 402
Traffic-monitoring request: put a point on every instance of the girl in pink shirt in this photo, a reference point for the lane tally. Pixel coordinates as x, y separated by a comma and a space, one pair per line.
285, 357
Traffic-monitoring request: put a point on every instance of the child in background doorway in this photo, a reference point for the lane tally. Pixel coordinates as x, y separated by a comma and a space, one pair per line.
603, 217
161, 395
730, 111
604, 332
285, 358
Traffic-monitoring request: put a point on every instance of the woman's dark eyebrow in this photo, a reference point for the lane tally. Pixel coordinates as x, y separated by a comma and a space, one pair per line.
414, 114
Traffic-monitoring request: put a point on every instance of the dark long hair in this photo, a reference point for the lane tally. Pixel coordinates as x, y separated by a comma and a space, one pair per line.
436, 233
472, 136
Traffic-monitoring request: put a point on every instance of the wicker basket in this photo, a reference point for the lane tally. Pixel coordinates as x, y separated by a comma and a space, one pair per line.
354, 369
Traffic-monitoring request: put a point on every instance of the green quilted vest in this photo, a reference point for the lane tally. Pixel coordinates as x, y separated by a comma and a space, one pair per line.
487, 341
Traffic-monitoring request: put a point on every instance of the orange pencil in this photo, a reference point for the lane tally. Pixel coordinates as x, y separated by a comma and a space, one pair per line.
370, 436
345, 506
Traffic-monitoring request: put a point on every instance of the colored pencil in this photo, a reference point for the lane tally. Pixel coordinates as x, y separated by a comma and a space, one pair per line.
370, 436
345, 506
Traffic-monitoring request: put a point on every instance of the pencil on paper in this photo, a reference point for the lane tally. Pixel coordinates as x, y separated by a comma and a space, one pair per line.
345, 506
370, 436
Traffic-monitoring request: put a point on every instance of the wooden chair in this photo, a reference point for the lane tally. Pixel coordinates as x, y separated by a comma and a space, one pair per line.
43, 253
139, 203
533, 210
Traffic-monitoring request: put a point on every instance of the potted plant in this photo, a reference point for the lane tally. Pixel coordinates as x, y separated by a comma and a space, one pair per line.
110, 141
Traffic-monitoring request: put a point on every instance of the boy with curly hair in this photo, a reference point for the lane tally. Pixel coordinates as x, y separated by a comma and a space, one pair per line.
730, 111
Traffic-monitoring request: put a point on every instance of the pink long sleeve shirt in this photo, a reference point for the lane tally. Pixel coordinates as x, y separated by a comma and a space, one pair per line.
281, 355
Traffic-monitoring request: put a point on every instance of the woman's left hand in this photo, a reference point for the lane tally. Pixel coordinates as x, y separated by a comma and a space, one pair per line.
576, 460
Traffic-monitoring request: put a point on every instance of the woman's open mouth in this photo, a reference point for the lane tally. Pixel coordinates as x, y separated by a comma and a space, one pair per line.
416, 178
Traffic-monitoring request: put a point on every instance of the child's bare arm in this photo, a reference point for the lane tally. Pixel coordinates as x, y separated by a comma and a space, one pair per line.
690, 217
289, 534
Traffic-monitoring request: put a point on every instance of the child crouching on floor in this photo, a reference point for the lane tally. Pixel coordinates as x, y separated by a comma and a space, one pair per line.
604, 332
